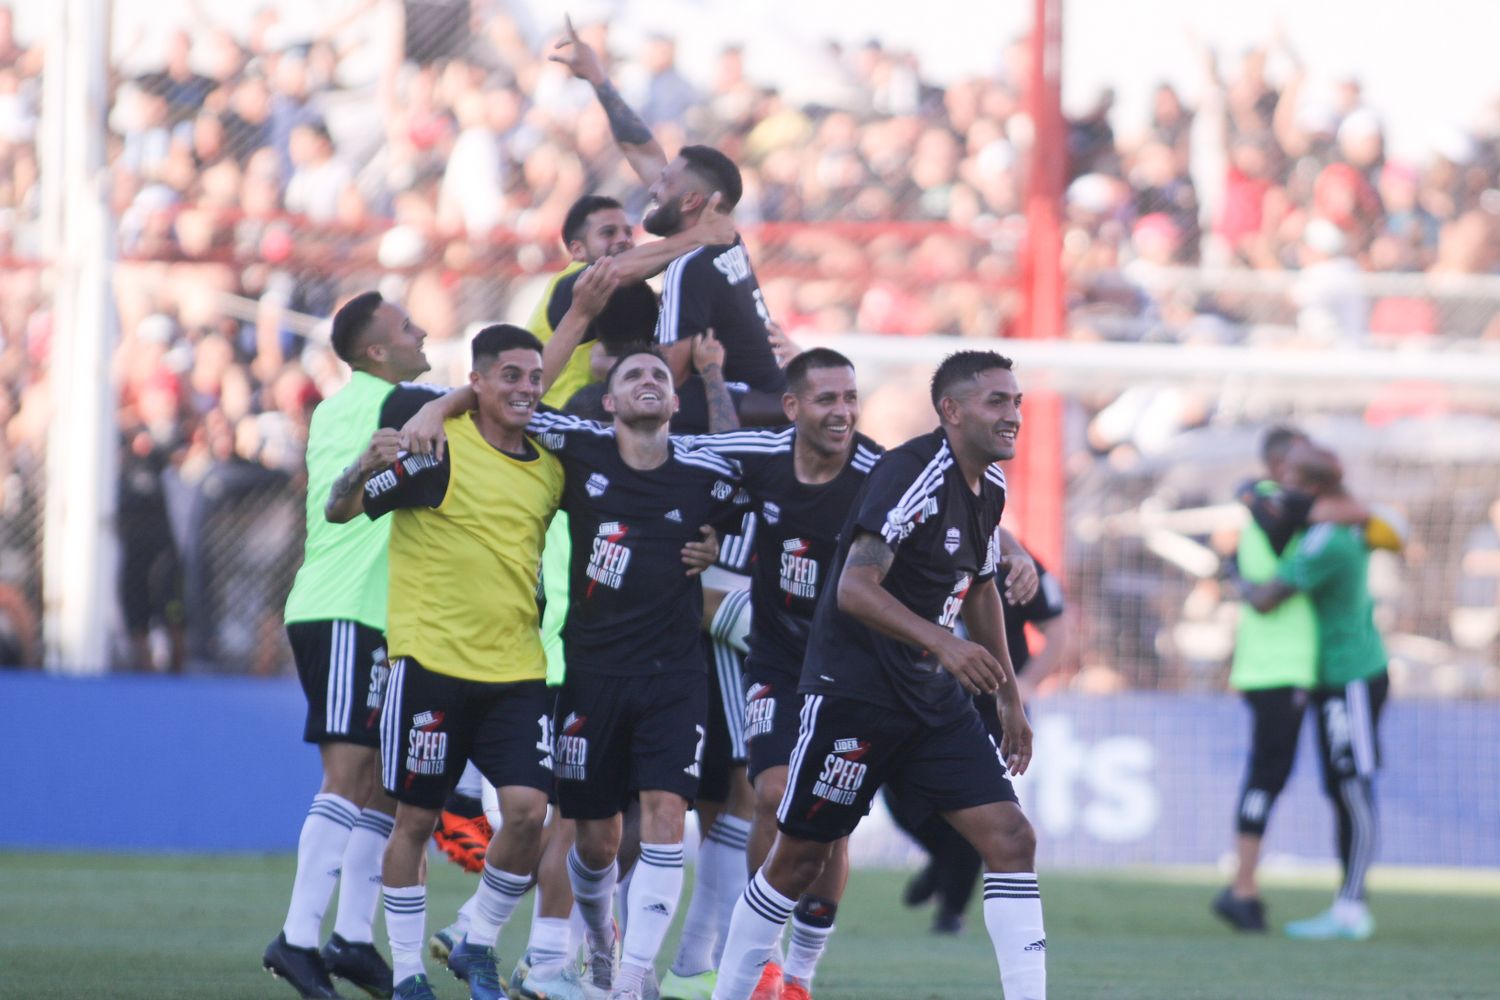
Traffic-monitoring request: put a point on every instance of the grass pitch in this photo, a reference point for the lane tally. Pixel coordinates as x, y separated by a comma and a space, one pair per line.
113, 926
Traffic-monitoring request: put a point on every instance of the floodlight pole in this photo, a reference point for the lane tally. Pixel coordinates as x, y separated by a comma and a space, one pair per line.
82, 453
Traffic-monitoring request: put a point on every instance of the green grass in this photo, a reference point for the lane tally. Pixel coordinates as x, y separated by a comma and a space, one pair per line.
111, 926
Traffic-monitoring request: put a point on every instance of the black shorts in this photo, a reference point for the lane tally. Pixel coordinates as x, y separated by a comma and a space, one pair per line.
618, 735
724, 750
434, 724
847, 749
772, 716
343, 670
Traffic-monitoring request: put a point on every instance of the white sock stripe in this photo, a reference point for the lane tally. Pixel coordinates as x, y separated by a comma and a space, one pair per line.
764, 906
661, 859
394, 905
583, 871
336, 809
728, 837
505, 882
376, 821
808, 722
1010, 879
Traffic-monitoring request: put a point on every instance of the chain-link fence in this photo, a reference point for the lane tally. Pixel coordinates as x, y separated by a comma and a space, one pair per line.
264, 169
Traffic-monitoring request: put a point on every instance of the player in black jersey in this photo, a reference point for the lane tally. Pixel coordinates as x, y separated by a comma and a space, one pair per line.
802, 482
632, 712
888, 685
711, 287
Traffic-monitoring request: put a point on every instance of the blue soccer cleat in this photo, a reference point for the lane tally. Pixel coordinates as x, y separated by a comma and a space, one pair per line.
478, 967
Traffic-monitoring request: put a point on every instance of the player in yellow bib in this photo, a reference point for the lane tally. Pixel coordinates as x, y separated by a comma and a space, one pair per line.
468, 676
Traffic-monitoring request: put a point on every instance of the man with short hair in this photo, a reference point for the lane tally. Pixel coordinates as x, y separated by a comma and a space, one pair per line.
469, 674
335, 621
711, 287
887, 684
1330, 564
632, 711
802, 482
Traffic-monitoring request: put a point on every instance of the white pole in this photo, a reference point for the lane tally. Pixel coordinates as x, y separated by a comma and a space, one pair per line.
82, 447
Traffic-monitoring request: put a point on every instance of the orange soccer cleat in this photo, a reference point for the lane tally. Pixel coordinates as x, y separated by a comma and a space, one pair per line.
769, 987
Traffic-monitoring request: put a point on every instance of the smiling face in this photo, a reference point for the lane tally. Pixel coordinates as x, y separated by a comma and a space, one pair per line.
825, 409
508, 387
640, 391
983, 415
395, 342
677, 194
606, 233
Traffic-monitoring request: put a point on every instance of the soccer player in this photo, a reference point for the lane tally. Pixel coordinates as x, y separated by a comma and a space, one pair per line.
887, 685
632, 712
954, 866
713, 286
336, 619
802, 482
1330, 565
597, 227
1275, 656
468, 674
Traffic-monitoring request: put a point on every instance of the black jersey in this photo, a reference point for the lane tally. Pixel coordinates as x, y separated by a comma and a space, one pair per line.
715, 287
632, 608
796, 533
629, 317
1045, 605
946, 540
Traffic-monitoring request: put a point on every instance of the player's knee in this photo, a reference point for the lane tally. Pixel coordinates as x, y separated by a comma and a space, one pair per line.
796, 864
597, 844
1011, 845
769, 789
525, 820
414, 824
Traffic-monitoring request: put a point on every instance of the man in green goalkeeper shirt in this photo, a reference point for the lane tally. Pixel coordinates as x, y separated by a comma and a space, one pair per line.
335, 620
1330, 565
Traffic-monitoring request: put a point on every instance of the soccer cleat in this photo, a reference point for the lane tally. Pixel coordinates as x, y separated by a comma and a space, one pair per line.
442, 942
302, 967
1327, 927
696, 987
360, 964
555, 983
769, 987
793, 990
417, 987
518, 975
1241, 914
627, 994
476, 966
464, 839
921, 886
602, 963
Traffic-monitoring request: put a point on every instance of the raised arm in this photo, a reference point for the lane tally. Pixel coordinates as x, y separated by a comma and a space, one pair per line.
640, 147
591, 293
860, 594
347, 495
646, 260
708, 358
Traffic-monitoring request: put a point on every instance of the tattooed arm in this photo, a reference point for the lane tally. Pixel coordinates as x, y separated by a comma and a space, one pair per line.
640, 147
708, 358
861, 595
346, 498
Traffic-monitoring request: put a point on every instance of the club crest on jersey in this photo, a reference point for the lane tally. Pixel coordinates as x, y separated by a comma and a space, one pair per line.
799, 574
951, 541
722, 490
596, 485
771, 512
760, 710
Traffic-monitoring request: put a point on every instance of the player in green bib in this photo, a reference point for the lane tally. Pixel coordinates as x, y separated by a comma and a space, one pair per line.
336, 620
1329, 564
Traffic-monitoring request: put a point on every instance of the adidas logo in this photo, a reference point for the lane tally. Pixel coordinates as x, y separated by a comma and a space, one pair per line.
674, 515
1036, 945
659, 908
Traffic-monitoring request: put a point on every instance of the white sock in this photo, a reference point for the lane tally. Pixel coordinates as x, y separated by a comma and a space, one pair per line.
593, 896
471, 782
1013, 916
812, 925
759, 918
622, 894
655, 889
578, 930
548, 944
1349, 911
723, 862
405, 924
499, 894
359, 885
465, 916
320, 854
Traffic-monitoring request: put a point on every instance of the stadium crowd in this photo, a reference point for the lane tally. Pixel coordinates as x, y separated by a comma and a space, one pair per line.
258, 179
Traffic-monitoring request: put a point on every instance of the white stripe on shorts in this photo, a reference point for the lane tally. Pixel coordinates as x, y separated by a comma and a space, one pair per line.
390, 726
732, 694
808, 722
1361, 726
